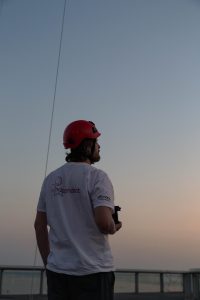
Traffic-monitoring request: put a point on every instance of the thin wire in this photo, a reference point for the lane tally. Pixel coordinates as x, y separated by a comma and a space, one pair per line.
55, 87
52, 115
54, 100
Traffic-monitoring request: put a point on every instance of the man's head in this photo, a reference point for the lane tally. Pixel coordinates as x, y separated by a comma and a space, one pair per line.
81, 138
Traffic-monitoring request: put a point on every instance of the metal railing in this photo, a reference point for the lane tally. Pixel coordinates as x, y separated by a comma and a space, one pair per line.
22, 280
16, 280
149, 281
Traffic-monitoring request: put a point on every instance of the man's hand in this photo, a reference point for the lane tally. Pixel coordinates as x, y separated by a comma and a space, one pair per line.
104, 220
118, 226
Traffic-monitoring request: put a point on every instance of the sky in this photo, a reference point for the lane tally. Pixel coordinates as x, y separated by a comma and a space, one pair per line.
133, 68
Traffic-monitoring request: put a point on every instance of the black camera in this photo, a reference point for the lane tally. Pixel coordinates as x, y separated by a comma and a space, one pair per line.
115, 215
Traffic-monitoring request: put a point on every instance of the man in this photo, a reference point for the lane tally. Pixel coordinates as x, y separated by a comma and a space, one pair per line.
76, 203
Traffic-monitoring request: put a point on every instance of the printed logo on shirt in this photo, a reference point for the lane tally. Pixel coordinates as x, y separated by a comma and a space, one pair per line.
101, 197
59, 189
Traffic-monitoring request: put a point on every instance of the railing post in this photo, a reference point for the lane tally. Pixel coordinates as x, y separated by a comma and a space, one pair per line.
136, 282
1, 280
41, 281
188, 286
161, 282
196, 285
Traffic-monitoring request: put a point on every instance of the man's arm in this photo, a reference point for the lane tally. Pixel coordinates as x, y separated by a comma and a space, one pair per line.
104, 220
42, 235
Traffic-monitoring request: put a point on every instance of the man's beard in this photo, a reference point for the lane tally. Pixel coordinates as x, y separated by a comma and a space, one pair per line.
95, 158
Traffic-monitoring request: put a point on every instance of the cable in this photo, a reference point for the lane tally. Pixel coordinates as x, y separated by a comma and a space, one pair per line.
55, 86
52, 114
54, 99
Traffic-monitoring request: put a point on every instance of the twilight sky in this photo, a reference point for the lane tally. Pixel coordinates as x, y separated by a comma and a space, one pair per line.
132, 67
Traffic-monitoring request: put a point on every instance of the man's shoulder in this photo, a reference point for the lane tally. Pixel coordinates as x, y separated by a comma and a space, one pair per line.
56, 172
92, 170
98, 173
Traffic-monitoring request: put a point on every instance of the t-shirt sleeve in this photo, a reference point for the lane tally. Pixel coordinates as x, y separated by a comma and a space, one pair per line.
42, 202
102, 191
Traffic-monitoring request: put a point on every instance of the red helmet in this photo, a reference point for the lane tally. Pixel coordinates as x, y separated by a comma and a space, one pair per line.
77, 131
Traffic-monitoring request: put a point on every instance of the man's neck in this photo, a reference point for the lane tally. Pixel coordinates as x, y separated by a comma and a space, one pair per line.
87, 161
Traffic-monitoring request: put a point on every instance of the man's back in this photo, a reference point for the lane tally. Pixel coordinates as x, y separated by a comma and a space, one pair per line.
69, 196
76, 203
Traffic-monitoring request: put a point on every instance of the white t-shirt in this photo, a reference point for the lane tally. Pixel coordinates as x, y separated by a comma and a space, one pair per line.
68, 196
